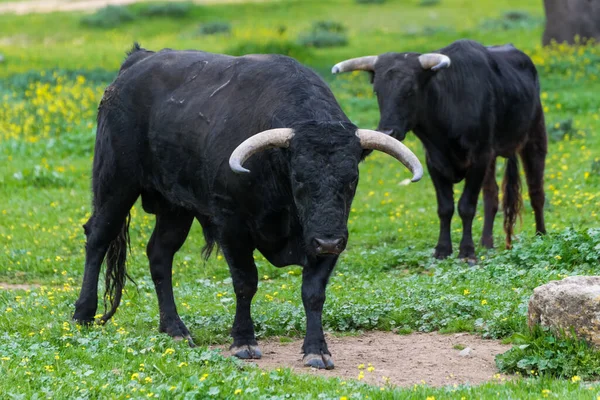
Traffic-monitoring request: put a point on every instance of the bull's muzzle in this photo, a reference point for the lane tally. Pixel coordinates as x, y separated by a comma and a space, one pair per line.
329, 246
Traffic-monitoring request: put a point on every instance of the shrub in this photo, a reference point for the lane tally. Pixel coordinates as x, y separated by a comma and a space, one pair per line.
512, 20
562, 130
281, 29
516, 16
428, 3
596, 167
40, 177
324, 34
214, 28
544, 352
170, 10
428, 30
19, 82
328, 26
108, 17
323, 39
272, 47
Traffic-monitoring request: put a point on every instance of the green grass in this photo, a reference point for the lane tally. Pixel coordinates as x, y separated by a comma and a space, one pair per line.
51, 83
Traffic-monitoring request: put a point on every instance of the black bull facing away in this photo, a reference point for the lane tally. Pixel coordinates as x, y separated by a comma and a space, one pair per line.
175, 127
468, 104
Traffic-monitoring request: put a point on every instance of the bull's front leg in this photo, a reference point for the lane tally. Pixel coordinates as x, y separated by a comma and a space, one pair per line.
445, 207
245, 281
314, 281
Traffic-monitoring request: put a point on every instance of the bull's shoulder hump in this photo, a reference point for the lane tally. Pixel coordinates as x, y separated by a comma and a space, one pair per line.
172, 65
184, 57
514, 57
178, 58
276, 62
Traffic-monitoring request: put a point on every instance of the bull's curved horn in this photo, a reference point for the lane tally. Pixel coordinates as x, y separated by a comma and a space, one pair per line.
261, 141
373, 140
366, 63
434, 61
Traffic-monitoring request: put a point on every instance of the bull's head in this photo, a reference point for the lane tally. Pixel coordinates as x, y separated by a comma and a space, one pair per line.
397, 79
323, 163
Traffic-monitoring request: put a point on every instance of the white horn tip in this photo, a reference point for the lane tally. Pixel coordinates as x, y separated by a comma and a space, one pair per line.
443, 64
237, 168
335, 69
417, 175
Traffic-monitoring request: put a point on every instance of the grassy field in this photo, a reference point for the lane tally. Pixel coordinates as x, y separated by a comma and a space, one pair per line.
53, 77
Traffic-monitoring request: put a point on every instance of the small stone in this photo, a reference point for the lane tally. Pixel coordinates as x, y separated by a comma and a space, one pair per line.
1, 58
466, 352
573, 302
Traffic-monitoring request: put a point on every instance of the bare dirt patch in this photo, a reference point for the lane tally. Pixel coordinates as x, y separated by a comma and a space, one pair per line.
401, 360
46, 6
18, 286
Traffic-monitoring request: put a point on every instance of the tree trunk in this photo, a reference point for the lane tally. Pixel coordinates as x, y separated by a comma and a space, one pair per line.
566, 19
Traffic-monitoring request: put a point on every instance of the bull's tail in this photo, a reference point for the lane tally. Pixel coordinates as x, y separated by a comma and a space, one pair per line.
116, 273
512, 202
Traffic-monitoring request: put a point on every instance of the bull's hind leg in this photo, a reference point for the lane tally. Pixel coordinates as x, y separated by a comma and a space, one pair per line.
533, 155
245, 281
111, 208
170, 232
490, 205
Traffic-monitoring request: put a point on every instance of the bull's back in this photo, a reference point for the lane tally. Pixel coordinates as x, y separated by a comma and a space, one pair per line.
517, 97
191, 109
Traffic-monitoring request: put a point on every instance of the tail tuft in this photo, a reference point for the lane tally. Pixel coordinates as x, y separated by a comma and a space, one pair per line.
512, 201
116, 272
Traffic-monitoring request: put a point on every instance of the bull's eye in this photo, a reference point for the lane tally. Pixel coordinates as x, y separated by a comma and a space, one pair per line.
353, 184
296, 180
299, 187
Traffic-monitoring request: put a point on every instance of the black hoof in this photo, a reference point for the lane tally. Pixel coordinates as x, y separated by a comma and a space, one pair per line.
84, 315
467, 252
442, 254
246, 352
177, 330
319, 361
470, 261
487, 243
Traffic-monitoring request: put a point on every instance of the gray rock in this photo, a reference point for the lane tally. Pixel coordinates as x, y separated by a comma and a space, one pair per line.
573, 302
466, 352
1, 58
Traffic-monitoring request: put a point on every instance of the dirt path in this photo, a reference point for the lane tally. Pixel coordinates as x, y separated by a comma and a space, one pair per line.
46, 6
18, 286
402, 360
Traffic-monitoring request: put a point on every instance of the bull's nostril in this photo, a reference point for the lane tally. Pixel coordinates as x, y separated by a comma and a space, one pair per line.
317, 244
329, 246
388, 132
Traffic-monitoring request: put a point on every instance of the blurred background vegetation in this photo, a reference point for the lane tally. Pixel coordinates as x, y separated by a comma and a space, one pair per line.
53, 70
